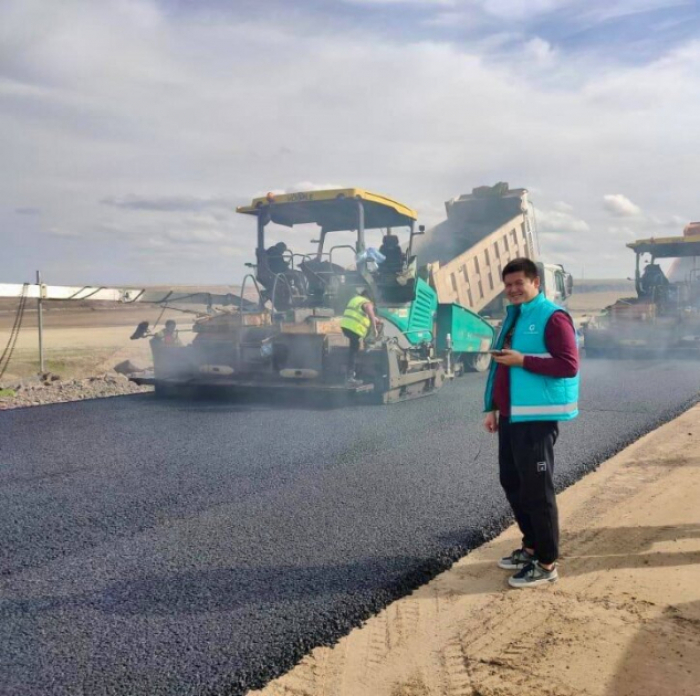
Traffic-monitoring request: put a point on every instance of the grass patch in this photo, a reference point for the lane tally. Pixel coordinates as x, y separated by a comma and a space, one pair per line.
7, 392
68, 364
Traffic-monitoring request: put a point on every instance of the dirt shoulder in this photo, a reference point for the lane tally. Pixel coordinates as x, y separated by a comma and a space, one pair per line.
81, 349
624, 619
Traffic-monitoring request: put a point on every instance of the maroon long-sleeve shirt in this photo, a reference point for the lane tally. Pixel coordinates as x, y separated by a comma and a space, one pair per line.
560, 339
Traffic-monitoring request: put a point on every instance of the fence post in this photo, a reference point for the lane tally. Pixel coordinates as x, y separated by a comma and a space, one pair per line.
40, 322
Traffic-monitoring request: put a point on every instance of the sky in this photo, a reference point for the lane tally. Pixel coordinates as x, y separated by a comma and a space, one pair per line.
131, 129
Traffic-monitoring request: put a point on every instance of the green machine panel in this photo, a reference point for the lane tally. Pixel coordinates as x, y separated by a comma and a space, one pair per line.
470, 333
414, 320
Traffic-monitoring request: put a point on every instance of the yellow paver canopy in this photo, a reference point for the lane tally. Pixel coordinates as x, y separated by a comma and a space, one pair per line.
667, 247
333, 209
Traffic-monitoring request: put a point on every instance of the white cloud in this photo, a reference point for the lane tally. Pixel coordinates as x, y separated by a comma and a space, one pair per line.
601, 12
425, 3
119, 116
622, 231
562, 207
195, 236
540, 51
453, 19
60, 232
620, 206
231, 251
311, 186
557, 221
518, 9
171, 203
670, 222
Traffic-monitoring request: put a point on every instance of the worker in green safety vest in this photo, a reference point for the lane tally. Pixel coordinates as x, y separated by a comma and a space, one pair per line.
357, 319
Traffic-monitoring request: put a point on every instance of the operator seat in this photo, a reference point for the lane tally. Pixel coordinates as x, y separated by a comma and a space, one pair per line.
653, 280
321, 276
391, 249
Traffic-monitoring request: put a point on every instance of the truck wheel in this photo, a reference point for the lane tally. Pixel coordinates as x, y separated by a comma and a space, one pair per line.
476, 362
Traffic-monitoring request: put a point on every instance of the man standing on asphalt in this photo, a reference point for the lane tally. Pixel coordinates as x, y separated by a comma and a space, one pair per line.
532, 385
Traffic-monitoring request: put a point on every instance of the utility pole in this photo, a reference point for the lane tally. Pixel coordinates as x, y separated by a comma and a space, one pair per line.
40, 322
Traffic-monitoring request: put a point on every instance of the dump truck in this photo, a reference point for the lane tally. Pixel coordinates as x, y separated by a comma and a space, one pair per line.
465, 255
664, 317
484, 230
292, 340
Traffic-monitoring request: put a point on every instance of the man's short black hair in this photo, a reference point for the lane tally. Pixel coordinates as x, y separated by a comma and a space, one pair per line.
527, 266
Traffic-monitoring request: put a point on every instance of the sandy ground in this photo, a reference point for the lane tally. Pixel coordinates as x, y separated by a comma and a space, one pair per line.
623, 620
592, 302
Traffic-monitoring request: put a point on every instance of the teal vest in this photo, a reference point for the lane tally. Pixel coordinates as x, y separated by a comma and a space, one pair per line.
534, 397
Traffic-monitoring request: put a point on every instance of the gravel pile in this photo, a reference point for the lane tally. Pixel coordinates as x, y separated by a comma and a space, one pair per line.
51, 389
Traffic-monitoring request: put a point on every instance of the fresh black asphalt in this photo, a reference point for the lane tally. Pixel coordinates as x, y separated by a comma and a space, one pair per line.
155, 547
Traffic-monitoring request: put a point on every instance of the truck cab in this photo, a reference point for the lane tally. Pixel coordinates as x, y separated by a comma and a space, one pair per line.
556, 284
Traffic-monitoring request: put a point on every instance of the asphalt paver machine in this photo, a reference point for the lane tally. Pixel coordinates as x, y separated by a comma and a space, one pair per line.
291, 340
664, 318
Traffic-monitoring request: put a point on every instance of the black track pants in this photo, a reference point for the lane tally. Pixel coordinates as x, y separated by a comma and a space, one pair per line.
526, 467
354, 350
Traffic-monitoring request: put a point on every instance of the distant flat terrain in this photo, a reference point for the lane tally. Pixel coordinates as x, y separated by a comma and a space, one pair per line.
593, 294
589, 285
66, 314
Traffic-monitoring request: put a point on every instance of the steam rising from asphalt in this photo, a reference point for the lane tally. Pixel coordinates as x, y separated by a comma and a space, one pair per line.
470, 218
